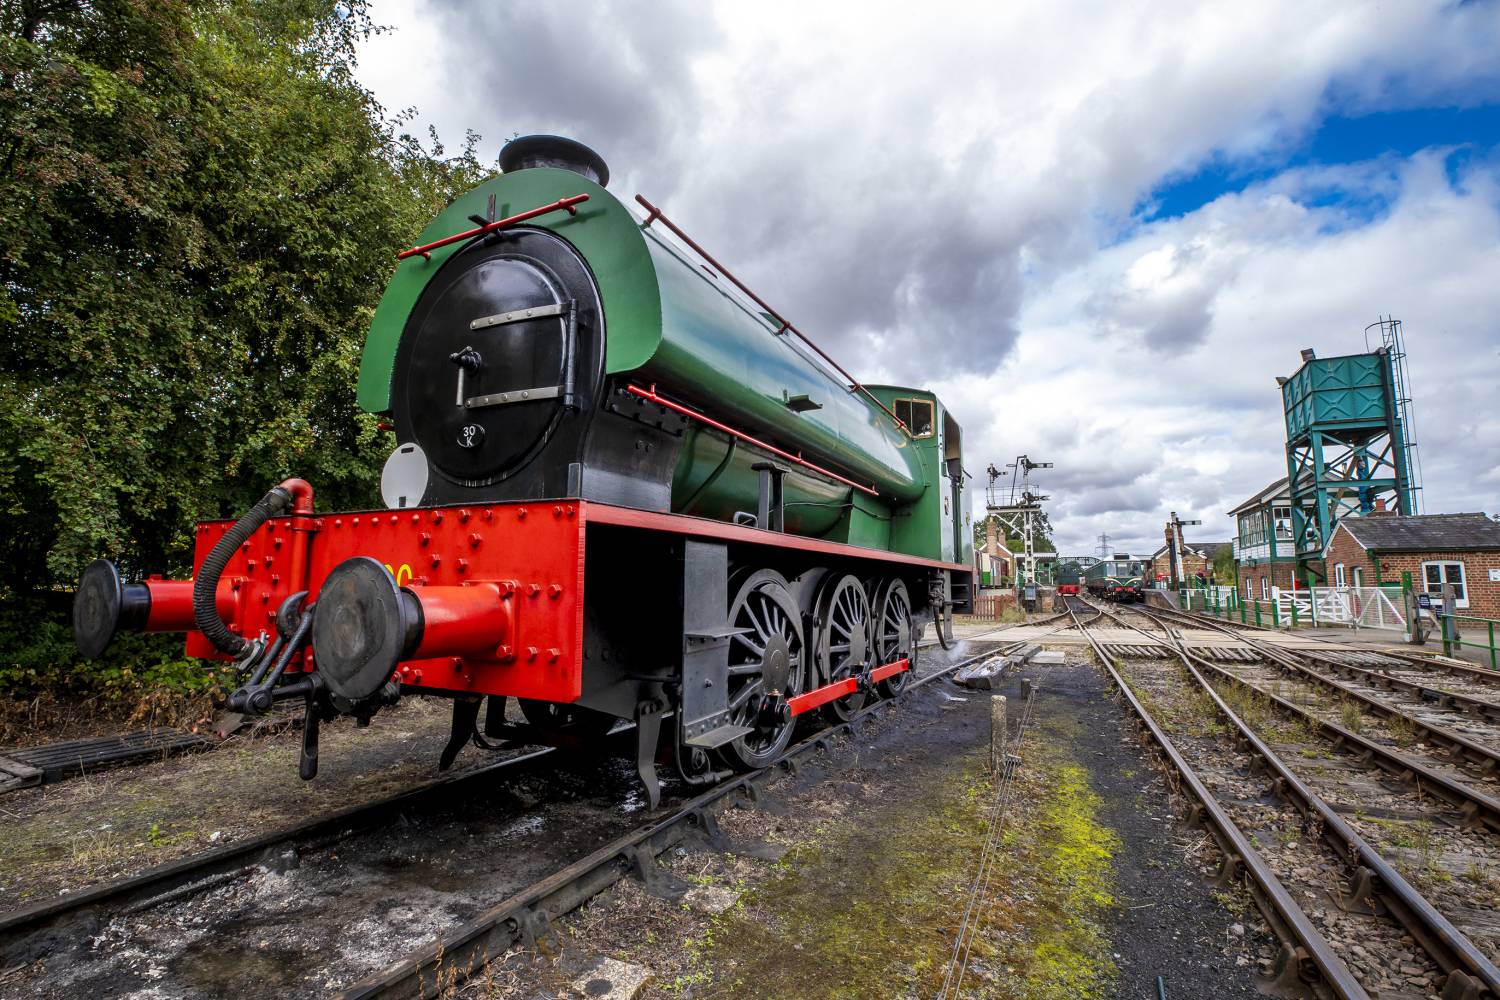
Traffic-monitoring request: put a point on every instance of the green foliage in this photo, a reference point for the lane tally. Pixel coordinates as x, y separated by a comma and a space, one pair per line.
1224, 567
201, 210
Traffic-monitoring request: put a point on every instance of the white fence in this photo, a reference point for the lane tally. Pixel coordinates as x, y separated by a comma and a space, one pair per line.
1358, 607
1361, 607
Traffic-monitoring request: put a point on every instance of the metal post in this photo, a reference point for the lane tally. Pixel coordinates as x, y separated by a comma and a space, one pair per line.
1276, 613
1493, 665
1257, 612
1294, 609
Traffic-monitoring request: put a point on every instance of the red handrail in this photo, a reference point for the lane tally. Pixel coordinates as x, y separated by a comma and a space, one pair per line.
651, 396
786, 326
561, 204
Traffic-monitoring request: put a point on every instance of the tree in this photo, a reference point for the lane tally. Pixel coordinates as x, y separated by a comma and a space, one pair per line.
201, 209
1225, 569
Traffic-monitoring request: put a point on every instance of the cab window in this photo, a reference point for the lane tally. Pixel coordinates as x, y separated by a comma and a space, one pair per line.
916, 414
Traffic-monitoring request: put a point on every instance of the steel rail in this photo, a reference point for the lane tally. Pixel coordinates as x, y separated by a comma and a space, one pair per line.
1378, 678
527, 914
196, 872
1442, 697
1436, 661
209, 868
1486, 758
1472, 803
1370, 874
1306, 956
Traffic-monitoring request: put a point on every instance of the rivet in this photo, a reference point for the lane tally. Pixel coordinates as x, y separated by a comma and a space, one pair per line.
437, 560
456, 663
489, 515
463, 565
265, 597
268, 560
557, 512
531, 652
532, 589
505, 653
554, 591
507, 587
572, 512
275, 579
437, 517
424, 538
553, 654
521, 512
338, 522
355, 522
416, 677
415, 518
276, 542
463, 516
393, 518
474, 540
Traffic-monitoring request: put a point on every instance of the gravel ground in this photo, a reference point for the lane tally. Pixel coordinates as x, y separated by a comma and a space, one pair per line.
1096, 893
1168, 922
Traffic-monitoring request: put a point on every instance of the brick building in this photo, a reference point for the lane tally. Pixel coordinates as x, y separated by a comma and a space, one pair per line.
1197, 557
1264, 549
1436, 549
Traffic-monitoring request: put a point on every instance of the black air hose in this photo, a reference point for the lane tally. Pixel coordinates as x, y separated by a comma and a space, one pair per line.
206, 583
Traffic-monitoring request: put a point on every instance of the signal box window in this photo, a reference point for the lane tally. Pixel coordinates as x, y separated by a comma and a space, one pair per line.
916, 414
1436, 574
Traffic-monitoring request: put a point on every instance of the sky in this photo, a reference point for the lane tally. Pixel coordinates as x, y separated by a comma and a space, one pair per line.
1097, 231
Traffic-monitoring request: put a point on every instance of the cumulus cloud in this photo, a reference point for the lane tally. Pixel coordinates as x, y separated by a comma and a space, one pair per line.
953, 195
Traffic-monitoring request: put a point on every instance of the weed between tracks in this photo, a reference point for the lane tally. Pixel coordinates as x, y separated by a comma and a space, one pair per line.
872, 905
868, 900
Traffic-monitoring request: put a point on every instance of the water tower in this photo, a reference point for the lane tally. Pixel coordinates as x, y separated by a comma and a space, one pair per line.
1347, 442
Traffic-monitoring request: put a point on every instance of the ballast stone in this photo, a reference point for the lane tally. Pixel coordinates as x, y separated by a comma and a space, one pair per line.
612, 980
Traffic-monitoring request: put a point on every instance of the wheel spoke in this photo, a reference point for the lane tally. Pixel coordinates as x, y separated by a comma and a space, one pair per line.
744, 693
759, 651
745, 669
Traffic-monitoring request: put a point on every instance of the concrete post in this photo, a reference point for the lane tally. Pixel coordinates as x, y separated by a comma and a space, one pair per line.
998, 734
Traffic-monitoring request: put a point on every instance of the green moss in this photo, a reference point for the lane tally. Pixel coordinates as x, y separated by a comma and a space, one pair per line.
871, 905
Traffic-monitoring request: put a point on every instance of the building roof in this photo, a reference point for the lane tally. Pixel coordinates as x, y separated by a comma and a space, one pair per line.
1424, 532
1275, 491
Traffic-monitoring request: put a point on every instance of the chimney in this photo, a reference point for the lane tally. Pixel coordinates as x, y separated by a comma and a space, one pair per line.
990, 545
530, 151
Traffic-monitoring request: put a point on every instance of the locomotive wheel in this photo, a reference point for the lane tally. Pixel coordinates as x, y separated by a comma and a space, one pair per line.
842, 639
766, 666
893, 635
586, 722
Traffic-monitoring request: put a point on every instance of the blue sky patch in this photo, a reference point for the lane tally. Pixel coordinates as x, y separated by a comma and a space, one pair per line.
1338, 139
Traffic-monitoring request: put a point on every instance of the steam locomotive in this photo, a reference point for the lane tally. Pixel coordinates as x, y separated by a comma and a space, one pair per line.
622, 488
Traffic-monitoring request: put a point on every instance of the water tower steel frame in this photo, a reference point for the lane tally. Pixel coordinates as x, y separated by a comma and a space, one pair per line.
1345, 446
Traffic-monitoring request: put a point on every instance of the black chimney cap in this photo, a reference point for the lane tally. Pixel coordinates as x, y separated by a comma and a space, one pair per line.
554, 151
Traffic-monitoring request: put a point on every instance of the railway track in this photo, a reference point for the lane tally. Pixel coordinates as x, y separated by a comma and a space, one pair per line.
1351, 924
36, 932
29, 767
1466, 727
